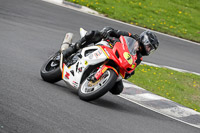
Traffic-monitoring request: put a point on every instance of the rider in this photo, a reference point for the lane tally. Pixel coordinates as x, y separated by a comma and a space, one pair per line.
147, 43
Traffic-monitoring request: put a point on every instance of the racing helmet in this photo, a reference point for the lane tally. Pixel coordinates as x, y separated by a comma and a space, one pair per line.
148, 42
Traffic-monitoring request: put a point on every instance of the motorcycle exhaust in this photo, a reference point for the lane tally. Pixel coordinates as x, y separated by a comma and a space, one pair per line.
66, 43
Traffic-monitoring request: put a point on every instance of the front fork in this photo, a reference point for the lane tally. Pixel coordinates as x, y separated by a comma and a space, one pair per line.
102, 69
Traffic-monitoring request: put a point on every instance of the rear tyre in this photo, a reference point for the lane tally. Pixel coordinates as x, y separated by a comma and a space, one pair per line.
89, 91
50, 70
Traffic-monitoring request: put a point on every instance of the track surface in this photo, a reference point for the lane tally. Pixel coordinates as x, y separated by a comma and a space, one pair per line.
31, 30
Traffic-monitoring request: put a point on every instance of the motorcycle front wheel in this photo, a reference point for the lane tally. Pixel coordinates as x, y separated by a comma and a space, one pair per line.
90, 90
50, 70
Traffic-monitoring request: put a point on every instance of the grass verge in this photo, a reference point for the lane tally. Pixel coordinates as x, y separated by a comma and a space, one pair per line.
183, 88
176, 17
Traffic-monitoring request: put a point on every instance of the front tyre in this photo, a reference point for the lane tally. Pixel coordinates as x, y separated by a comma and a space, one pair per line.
50, 71
89, 90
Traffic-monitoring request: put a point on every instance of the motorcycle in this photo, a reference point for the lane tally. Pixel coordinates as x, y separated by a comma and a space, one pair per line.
93, 70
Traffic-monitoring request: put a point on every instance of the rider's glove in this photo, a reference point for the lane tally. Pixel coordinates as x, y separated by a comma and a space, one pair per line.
78, 45
104, 34
136, 37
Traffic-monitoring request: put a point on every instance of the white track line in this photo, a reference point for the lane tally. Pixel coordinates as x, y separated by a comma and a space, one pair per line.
58, 2
172, 68
98, 15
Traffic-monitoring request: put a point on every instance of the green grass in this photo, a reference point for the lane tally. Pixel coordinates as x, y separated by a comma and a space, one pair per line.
176, 17
183, 88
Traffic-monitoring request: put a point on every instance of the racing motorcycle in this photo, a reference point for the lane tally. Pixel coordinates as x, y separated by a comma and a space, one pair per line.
93, 70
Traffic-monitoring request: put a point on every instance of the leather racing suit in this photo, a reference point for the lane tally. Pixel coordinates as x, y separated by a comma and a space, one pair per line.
95, 36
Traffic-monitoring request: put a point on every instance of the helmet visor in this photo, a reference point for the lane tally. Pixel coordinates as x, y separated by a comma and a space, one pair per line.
147, 45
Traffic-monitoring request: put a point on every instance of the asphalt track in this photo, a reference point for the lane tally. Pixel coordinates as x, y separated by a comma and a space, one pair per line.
31, 30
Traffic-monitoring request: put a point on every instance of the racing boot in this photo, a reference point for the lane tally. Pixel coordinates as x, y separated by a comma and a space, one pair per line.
74, 48
69, 51
117, 88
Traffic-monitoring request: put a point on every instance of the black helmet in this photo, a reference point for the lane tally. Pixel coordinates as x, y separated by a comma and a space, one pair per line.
148, 42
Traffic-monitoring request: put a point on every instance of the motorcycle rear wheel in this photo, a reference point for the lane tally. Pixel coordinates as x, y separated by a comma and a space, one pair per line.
50, 70
89, 91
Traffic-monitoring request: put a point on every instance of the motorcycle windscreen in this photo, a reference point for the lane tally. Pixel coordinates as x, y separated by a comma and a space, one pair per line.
132, 45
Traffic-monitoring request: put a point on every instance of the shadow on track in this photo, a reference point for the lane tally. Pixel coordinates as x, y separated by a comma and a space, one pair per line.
110, 102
